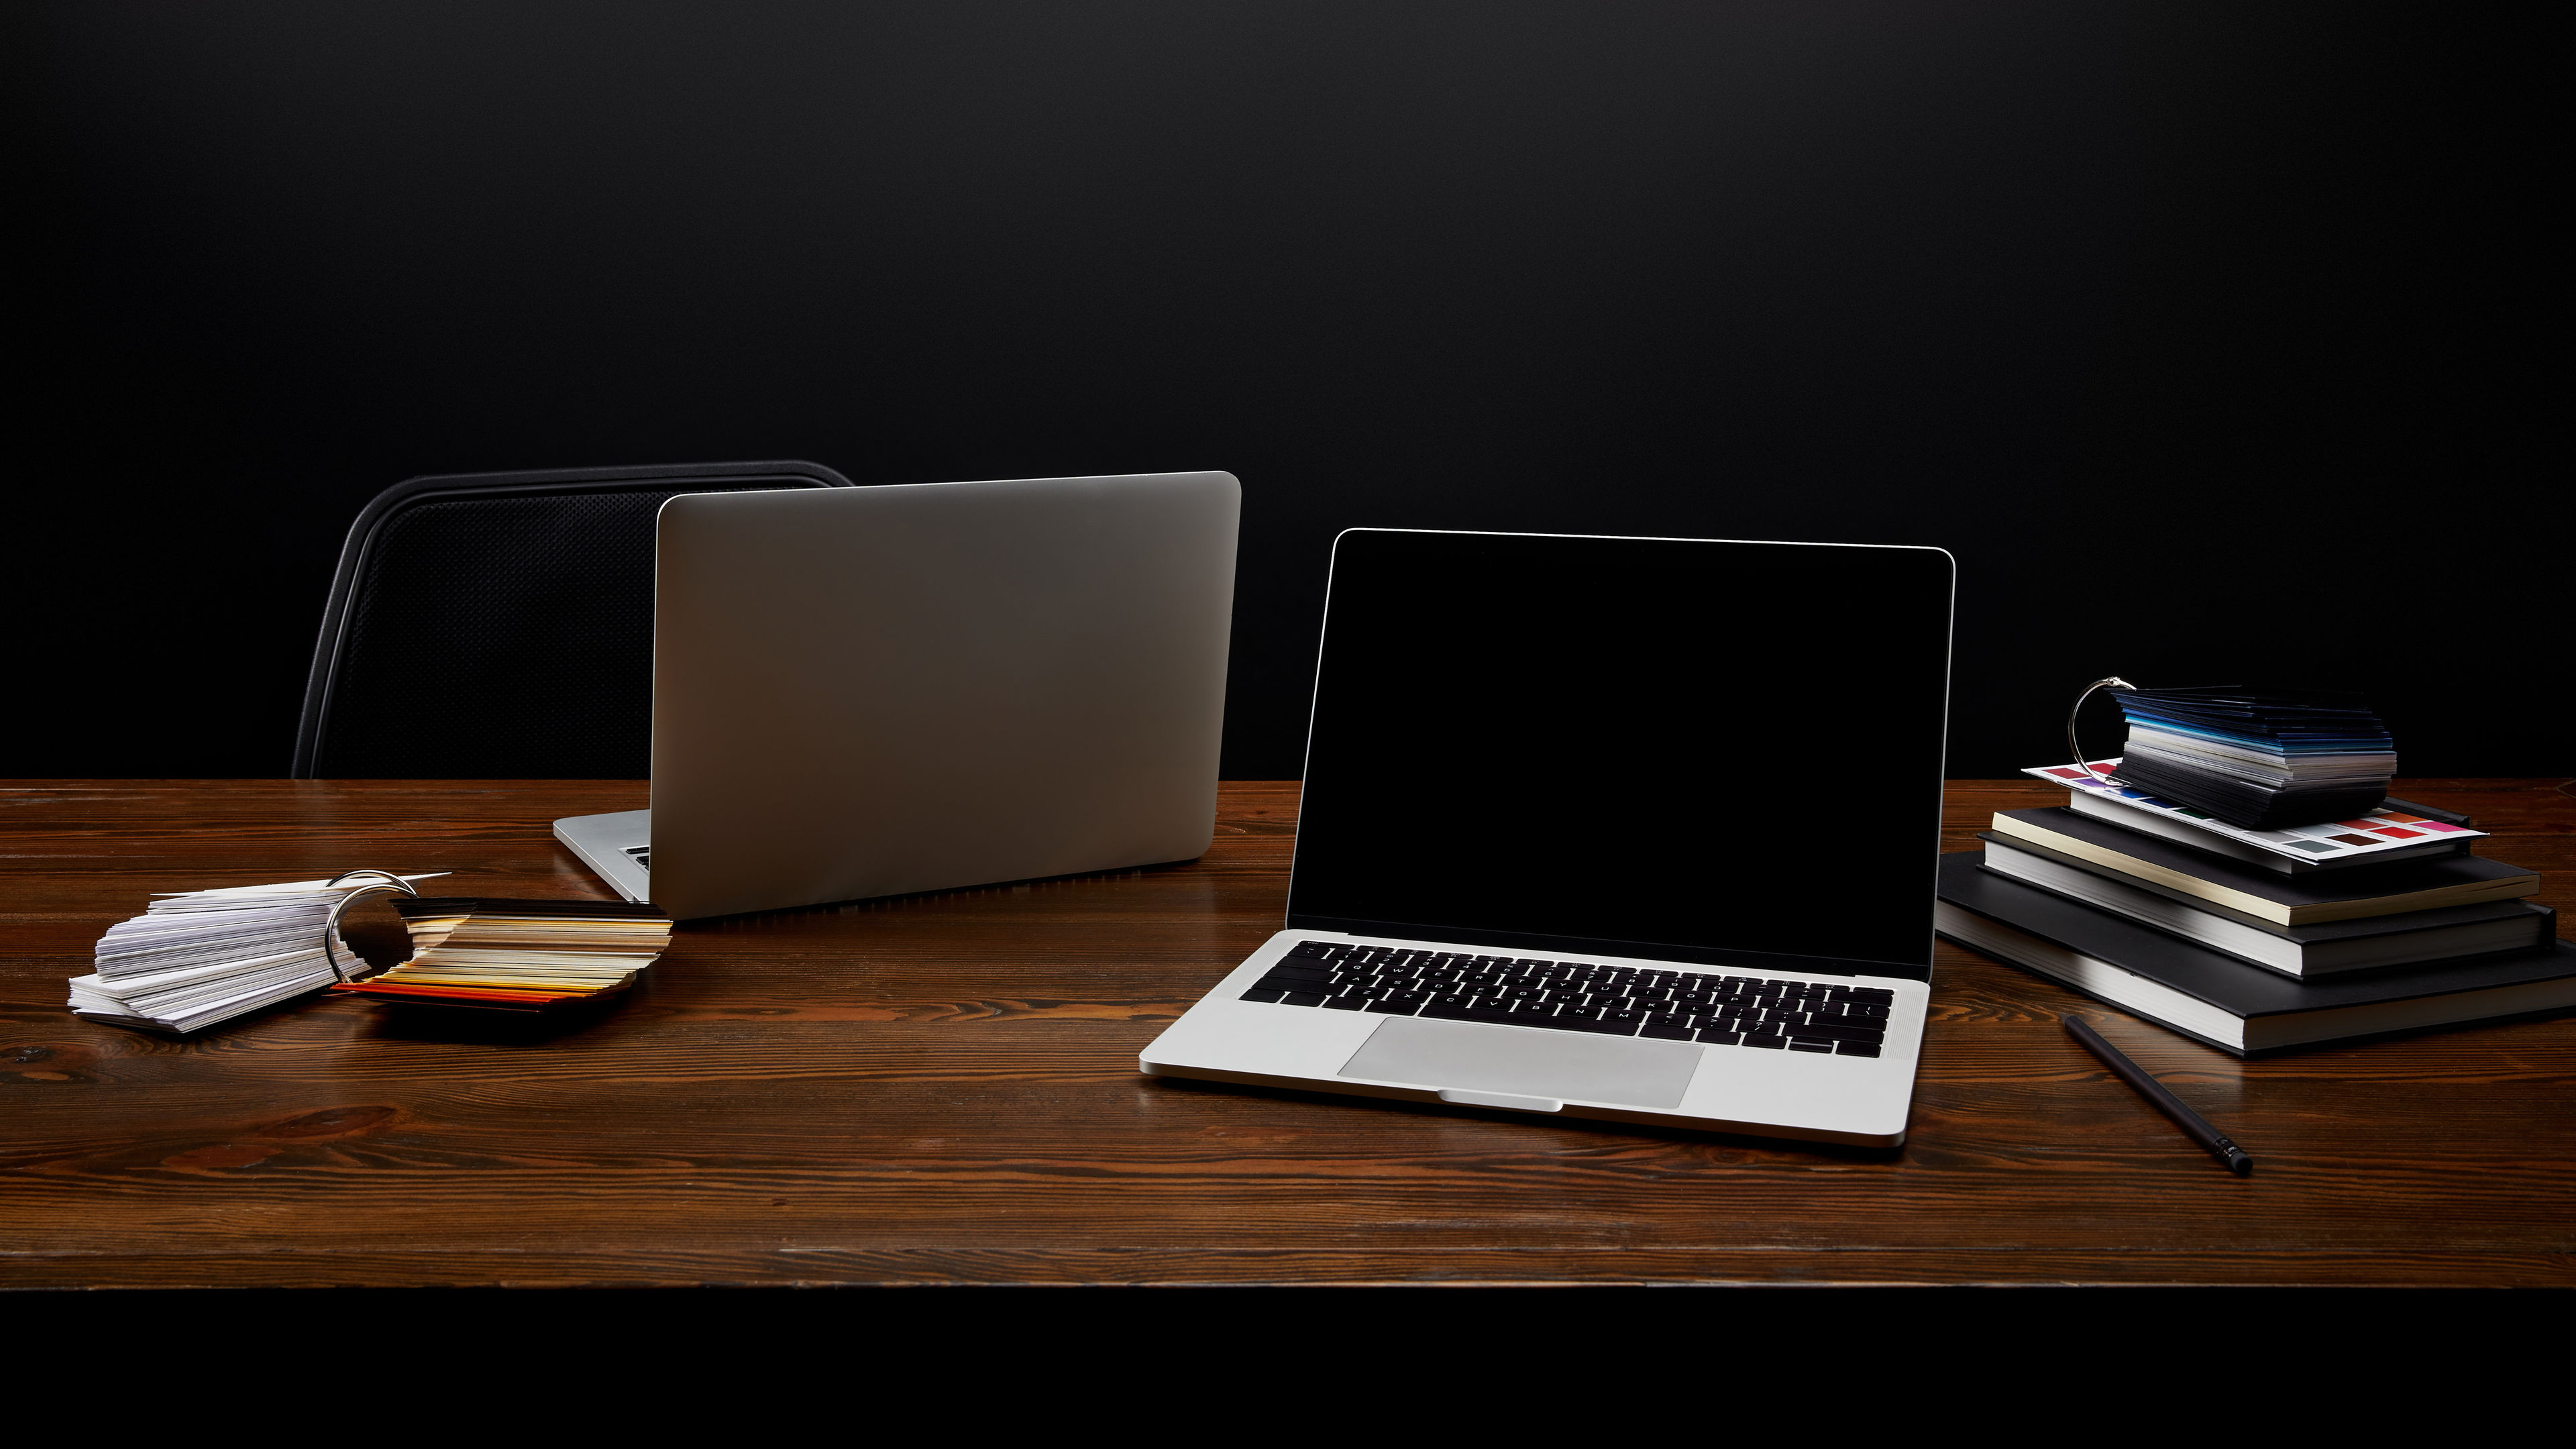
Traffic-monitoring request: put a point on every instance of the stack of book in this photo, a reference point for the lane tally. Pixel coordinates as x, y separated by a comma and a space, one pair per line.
2260, 759
508, 955
2257, 940
194, 958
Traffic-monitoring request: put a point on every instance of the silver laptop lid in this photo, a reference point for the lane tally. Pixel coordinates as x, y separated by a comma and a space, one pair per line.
869, 691
1677, 749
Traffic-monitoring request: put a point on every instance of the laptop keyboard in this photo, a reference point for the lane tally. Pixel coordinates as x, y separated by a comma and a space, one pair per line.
1738, 1011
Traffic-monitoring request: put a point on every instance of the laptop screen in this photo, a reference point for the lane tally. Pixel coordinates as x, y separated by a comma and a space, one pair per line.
1681, 749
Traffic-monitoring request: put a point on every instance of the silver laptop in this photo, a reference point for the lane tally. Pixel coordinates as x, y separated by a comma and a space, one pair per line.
871, 691
1630, 828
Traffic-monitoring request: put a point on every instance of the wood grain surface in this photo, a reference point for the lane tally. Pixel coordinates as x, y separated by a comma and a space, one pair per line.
943, 1088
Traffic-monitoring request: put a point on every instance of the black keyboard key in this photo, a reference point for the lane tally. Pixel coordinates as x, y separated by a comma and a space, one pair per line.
1604, 1024
1302, 998
1263, 993
1720, 1038
1315, 951
1576, 1011
1797, 1044
1842, 1033
1857, 1049
1399, 1003
1762, 1039
1668, 1028
1445, 1008
1345, 1003
1294, 981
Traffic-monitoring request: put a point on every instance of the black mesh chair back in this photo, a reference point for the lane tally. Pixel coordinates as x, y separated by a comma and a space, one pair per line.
500, 625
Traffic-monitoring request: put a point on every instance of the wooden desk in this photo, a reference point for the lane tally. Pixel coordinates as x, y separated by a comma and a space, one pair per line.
944, 1089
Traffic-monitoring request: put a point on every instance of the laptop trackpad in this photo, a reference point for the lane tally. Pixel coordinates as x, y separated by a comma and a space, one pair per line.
1526, 1062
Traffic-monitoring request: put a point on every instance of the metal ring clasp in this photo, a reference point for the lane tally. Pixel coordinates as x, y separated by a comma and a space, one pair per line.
388, 883
2072, 748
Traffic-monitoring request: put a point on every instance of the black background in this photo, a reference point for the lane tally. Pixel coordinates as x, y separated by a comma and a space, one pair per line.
2217, 340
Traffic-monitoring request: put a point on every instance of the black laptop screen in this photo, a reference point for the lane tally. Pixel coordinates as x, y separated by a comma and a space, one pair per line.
1689, 750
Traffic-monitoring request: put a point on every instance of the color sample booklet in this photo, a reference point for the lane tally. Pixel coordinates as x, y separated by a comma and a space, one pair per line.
2381, 830
195, 958
498, 954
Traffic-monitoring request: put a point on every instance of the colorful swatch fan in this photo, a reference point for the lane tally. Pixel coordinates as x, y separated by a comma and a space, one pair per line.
512, 955
2261, 759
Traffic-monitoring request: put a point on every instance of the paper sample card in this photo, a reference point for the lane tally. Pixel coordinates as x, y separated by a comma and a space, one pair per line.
2381, 829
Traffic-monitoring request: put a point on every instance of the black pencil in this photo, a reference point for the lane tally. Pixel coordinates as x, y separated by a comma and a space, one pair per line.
2166, 1102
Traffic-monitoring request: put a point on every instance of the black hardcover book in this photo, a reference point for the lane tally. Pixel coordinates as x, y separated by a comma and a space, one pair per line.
2302, 951
2212, 997
2283, 900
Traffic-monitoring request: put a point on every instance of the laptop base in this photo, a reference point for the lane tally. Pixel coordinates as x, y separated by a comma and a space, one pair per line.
617, 847
1242, 1033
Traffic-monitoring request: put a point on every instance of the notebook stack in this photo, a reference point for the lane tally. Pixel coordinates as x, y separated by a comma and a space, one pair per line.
195, 958
2256, 940
490, 954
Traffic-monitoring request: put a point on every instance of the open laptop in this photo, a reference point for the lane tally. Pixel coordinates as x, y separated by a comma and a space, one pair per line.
871, 691
1631, 828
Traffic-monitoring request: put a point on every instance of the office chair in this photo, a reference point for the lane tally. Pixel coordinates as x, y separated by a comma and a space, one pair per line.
500, 625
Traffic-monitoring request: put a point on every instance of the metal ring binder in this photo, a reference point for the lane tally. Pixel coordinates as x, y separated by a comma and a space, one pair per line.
2077, 750
331, 928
